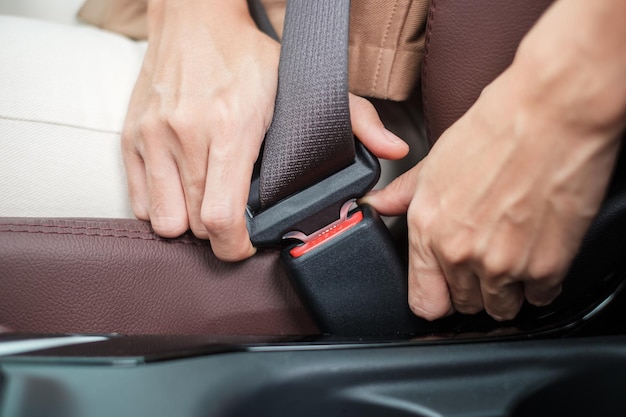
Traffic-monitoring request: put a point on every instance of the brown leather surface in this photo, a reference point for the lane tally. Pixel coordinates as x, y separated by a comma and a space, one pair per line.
468, 44
105, 276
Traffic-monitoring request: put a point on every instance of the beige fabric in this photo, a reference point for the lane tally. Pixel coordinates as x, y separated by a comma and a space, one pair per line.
386, 38
386, 47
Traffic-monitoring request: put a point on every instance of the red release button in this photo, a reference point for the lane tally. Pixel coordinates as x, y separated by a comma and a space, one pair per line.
328, 234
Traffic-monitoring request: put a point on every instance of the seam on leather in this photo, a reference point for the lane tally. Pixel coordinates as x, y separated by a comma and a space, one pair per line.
58, 226
382, 45
431, 18
149, 237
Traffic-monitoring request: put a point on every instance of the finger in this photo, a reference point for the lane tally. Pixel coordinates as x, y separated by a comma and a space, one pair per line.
541, 294
168, 212
395, 198
193, 169
464, 288
503, 301
369, 129
137, 185
223, 208
429, 296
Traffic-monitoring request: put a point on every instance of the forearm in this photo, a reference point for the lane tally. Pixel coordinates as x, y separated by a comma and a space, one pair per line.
572, 65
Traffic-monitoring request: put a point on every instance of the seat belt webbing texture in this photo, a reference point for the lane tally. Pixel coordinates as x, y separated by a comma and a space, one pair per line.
310, 136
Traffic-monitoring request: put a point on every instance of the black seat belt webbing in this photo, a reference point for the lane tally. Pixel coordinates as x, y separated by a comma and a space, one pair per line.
311, 135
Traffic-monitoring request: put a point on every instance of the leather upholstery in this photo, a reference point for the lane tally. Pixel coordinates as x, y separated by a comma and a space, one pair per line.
468, 44
104, 276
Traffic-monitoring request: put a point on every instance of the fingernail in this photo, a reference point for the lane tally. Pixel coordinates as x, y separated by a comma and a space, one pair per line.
367, 197
391, 137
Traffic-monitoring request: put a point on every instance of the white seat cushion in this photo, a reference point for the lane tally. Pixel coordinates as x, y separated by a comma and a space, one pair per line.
65, 91
61, 11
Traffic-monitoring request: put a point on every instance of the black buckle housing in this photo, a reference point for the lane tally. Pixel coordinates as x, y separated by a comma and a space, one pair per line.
314, 207
355, 283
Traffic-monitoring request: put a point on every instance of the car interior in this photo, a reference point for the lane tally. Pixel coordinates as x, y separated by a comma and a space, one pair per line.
101, 316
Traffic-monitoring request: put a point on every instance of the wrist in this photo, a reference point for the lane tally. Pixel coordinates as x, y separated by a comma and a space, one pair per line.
216, 14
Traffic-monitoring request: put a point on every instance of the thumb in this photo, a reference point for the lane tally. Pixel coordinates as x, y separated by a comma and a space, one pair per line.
395, 198
369, 129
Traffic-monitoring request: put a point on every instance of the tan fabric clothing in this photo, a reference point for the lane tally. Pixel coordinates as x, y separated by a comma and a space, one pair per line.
386, 38
127, 17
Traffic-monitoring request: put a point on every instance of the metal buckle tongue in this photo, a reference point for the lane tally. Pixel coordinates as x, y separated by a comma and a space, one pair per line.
323, 235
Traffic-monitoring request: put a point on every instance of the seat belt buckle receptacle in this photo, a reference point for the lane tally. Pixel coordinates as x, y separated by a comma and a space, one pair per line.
344, 263
352, 277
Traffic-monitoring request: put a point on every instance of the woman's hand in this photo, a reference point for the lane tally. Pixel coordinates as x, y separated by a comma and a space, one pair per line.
196, 120
497, 210
499, 207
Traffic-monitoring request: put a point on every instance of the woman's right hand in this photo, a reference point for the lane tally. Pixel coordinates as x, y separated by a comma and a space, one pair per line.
196, 120
198, 115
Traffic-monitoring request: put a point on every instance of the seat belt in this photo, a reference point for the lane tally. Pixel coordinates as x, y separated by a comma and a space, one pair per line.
343, 262
310, 165
310, 136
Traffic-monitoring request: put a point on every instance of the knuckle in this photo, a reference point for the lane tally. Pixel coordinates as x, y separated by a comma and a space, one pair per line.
502, 314
546, 268
456, 252
183, 122
223, 115
218, 218
465, 304
539, 301
151, 126
497, 263
414, 221
420, 216
426, 309
543, 298
169, 226
504, 305
232, 255
490, 289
